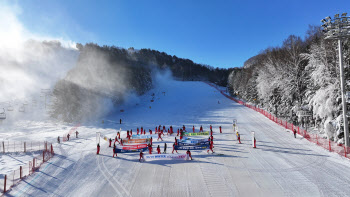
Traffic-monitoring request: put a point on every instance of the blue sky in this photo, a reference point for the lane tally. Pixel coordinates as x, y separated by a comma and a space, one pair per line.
218, 33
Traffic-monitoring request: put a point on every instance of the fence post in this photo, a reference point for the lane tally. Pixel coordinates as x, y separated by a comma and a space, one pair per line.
5, 183
43, 156
345, 150
24, 146
329, 144
20, 172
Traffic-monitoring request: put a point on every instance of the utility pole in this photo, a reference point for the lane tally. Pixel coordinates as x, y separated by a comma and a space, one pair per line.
338, 29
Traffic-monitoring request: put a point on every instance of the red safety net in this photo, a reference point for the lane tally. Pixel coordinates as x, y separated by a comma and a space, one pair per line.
325, 143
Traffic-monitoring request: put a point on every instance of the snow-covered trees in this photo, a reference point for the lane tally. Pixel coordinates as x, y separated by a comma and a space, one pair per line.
301, 74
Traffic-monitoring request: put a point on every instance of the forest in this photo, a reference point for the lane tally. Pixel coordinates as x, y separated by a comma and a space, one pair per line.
299, 75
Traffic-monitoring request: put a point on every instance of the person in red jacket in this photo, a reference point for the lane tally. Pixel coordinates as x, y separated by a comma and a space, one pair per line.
181, 134
193, 128
151, 141
156, 130
98, 149
211, 146
163, 127
201, 129
174, 148
175, 141
211, 128
183, 127
141, 130
220, 129
189, 153
141, 156
110, 142
158, 149
116, 139
131, 132
171, 130
118, 134
150, 148
239, 137
150, 132
115, 151
138, 130
159, 136
178, 132
211, 132
128, 135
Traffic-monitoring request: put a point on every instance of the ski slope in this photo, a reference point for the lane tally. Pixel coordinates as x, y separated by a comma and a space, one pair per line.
279, 166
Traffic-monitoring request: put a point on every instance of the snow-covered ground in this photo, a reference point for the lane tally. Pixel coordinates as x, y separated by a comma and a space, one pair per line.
279, 166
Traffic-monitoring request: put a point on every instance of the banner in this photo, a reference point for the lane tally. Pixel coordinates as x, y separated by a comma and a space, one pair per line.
192, 141
117, 150
132, 147
196, 134
201, 147
127, 141
193, 144
164, 157
144, 136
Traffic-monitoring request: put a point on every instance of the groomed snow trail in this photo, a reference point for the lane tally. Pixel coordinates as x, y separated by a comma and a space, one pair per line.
279, 166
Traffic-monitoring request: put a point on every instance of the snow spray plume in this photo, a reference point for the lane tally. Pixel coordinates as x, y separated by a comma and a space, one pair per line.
27, 66
103, 78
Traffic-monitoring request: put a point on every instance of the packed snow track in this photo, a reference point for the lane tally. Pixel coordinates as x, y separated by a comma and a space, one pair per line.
280, 165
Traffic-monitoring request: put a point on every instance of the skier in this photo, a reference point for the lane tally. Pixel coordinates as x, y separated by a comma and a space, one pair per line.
211, 132
114, 151
178, 132
138, 130
151, 141
211, 127
174, 148
159, 136
150, 132
193, 128
162, 132
201, 129
156, 130
163, 127
183, 127
175, 141
58, 139
68, 137
295, 133
189, 153
181, 134
171, 130
98, 149
165, 146
120, 121
130, 132
141, 130
141, 156
76, 134
212, 139
150, 148
110, 142
220, 129
158, 149
118, 134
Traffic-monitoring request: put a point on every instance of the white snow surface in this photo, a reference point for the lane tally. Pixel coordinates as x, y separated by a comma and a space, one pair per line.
279, 166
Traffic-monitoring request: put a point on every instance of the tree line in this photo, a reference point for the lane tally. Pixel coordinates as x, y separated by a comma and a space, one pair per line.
300, 75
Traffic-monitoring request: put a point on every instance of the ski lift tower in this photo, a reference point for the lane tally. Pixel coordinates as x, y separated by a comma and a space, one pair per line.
46, 93
338, 28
